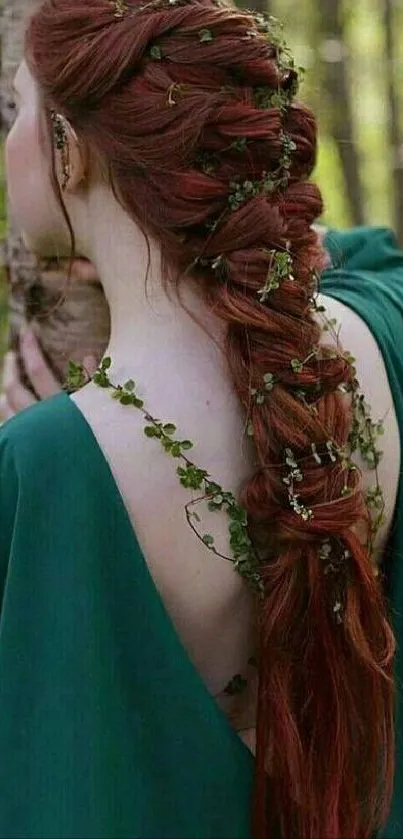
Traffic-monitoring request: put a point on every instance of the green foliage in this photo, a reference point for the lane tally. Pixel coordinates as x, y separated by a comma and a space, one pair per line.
76, 377
236, 685
280, 269
155, 52
191, 476
205, 36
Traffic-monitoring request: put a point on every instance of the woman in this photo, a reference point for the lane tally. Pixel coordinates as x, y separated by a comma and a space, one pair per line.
163, 675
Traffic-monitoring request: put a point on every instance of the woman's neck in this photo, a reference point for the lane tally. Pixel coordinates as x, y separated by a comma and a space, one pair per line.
151, 333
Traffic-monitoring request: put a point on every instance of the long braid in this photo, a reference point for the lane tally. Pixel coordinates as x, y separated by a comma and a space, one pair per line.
306, 735
192, 107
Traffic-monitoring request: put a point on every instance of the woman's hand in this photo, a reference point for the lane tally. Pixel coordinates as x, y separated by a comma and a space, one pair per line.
16, 396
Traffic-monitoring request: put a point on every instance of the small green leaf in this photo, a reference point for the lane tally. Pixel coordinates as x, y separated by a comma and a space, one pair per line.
235, 528
216, 501
239, 144
130, 385
205, 35
100, 379
238, 514
213, 488
297, 365
150, 431
186, 445
76, 376
236, 685
155, 52
169, 428
208, 540
106, 363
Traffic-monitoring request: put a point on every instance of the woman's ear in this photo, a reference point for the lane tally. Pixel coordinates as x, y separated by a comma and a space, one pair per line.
72, 163
77, 162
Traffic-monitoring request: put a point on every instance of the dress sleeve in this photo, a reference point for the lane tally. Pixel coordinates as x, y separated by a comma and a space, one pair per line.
364, 249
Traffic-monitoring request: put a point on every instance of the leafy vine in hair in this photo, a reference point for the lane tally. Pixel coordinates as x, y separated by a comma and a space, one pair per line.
191, 476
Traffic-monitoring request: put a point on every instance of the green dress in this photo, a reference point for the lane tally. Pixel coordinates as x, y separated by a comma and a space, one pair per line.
106, 729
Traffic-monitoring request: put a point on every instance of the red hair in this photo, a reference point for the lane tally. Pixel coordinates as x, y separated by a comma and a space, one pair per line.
163, 126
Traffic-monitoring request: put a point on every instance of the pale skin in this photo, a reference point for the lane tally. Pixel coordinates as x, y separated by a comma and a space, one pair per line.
181, 373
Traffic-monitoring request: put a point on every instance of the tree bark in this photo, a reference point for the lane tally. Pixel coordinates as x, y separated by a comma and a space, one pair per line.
80, 326
338, 95
393, 126
257, 5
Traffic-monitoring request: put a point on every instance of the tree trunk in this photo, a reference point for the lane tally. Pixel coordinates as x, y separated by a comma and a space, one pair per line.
262, 6
80, 326
257, 5
338, 94
393, 127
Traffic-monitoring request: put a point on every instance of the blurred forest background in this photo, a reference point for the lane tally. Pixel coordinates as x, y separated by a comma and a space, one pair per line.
352, 51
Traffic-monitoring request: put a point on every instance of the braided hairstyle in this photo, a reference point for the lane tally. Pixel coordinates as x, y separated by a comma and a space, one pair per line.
188, 106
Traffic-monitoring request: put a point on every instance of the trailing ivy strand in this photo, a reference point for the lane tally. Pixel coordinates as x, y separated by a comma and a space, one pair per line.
190, 475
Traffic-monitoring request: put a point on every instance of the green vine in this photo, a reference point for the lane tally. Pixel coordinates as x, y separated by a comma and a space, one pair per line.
155, 52
259, 394
191, 477
280, 269
120, 8
205, 36
241, 191
273, 29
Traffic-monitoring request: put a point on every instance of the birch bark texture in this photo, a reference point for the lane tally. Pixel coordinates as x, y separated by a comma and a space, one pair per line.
81, 325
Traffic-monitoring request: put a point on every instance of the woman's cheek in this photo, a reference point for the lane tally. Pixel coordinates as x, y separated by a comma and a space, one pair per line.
28, 183
20, 169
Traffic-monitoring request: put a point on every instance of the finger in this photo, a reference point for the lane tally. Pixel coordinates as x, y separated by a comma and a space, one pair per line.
17, 396
41, 377
5, 411
90, 364
84, 271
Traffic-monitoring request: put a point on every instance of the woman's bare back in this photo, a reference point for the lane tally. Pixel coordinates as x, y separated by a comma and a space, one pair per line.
208, 602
